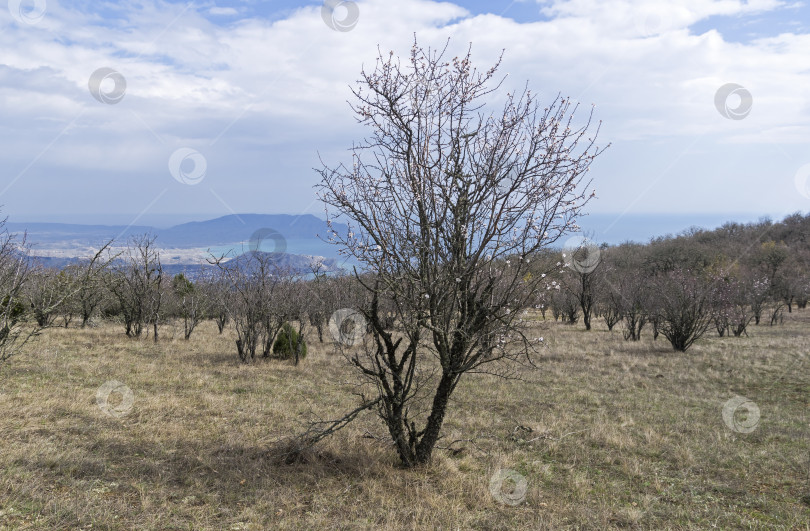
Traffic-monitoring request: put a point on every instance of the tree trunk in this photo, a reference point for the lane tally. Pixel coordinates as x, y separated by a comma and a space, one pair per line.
398, 432
434, 423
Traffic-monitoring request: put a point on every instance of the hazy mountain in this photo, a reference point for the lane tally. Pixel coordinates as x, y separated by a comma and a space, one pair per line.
297, 241
221, 231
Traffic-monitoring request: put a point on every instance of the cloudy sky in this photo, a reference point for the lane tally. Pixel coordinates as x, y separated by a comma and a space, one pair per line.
251, 92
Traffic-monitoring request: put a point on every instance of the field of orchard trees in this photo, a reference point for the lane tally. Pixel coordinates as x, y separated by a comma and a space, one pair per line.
612, 428
719, 281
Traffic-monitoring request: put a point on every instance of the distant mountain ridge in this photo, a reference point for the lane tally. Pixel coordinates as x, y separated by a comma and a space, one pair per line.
225, 230
601, 227
300, 264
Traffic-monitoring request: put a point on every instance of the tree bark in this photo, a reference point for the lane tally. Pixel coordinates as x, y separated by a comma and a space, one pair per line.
424, 449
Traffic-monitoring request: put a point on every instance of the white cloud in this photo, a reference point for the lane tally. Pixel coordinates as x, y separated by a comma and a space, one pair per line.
252, 91
223, 11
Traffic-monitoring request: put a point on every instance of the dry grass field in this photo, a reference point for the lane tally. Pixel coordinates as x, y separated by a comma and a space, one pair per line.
606, 434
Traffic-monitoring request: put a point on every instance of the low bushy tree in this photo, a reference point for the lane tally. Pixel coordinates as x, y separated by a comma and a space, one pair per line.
440, 197
190, 302
136, 283
289, 344
683, 307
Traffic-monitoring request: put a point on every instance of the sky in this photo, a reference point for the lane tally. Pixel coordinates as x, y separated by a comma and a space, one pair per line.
159, 112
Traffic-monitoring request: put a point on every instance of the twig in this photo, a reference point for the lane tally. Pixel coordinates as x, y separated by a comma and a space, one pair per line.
318, 431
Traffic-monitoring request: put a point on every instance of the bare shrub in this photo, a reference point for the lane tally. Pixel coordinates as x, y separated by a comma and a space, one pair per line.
448, 206
136, 283
683, 308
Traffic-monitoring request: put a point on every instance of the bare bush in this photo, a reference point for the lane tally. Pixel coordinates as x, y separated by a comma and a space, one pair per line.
565, 302
585, 266
297, 301
683, 308
15, 271
136, 283
87, 277
190, 301
215, 287
45, 289
609, 304
448, 206
252, 280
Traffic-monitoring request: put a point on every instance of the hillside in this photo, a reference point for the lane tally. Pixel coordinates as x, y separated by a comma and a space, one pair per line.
225, 230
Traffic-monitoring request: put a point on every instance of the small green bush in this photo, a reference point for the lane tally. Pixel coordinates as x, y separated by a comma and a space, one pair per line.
286, 343
16, 312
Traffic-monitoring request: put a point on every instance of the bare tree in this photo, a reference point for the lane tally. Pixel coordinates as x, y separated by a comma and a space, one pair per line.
137, 285
777, 312
760, 287
565, 300
73, 290
723, 291
610, 303
87, 277
324, 298
584, 265
45, 298
802, 278
69, 308
216, 288
684, 307
635, 305
740, 313
44, 291
190, 301
628, 289
447, 205
15, 271
296, 298
251, 280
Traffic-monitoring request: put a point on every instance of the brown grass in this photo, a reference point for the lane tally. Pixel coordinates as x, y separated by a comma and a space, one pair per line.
607, 434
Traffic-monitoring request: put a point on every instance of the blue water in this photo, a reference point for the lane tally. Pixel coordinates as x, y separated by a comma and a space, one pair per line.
312, 247
614, 229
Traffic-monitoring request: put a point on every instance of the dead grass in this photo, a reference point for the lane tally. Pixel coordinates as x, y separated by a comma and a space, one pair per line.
606, 434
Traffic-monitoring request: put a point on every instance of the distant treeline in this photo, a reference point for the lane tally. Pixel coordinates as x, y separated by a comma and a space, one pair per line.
680, 286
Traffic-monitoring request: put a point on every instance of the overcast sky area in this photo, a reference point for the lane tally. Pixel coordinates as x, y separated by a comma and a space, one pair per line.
259, 89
